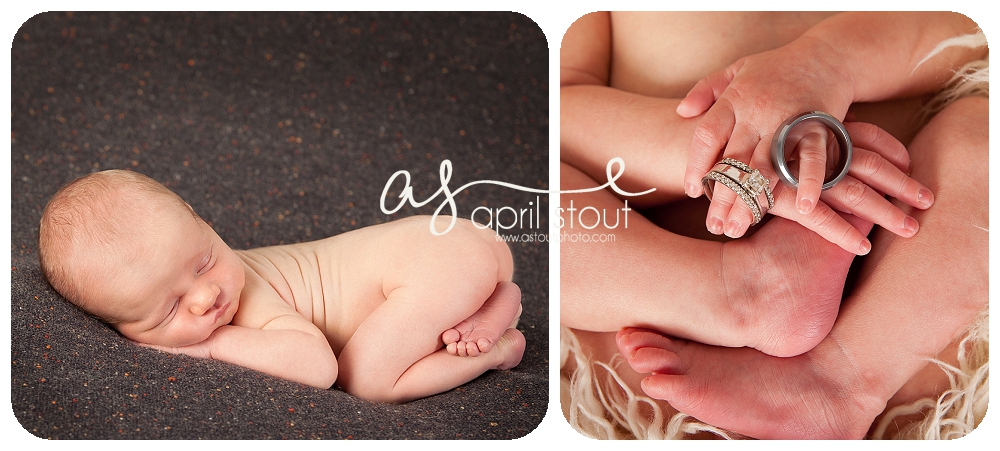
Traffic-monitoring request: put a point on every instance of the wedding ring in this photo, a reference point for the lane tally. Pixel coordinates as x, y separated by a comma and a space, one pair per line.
780, 163
748, 183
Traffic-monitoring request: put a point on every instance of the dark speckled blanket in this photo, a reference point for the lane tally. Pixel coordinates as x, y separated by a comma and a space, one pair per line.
276, 128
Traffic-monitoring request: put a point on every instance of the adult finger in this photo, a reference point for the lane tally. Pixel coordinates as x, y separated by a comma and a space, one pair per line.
877, 172
823, 220
872, 170
704, 93
710, 136
872, 137
854, 197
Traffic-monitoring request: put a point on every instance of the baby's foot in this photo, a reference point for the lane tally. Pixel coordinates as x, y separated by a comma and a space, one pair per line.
784, 285
478, 333
510, 347
811, 396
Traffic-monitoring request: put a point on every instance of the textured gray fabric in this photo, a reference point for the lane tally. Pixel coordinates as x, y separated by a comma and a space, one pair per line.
276, 128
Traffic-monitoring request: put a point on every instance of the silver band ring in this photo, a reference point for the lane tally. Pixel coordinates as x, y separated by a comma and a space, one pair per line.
748, 183
778, 147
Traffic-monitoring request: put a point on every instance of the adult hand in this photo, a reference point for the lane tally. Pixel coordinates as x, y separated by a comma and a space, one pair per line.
747, 101
877, 169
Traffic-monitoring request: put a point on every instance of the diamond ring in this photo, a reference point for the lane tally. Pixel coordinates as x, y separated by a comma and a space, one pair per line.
748, 183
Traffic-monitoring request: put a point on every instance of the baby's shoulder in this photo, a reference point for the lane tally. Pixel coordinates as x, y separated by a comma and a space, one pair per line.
264, 296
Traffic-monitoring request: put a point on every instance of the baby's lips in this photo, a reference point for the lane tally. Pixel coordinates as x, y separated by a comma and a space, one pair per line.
222, 311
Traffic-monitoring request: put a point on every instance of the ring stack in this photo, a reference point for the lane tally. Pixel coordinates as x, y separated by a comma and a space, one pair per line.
746, 182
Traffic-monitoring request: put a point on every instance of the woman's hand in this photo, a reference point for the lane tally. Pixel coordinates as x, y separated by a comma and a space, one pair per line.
746, 103
877, 169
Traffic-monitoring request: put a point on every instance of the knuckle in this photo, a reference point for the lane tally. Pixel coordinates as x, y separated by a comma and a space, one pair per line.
811, 168
812, 144
865, 134
824, 219
741, 213
853, 193
865, 131
724, 198
812, 155
891, 214
905, 187
888, 146
706, 137
871, 164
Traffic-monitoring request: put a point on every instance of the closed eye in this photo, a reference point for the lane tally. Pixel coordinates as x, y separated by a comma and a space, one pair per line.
209, 262
171, 313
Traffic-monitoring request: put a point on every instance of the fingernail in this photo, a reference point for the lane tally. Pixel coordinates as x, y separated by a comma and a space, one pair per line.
715, 226
733, 229
805, 206
865, 247
684, 110
925, 197
691, 190
910, 225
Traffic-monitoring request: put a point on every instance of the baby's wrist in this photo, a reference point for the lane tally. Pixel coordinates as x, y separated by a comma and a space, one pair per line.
213, 341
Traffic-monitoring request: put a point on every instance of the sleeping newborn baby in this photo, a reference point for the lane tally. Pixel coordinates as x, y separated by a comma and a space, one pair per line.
388, 312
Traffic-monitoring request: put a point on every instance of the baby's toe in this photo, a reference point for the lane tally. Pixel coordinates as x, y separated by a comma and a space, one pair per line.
631, 338
654, 360
484, 345
450, 336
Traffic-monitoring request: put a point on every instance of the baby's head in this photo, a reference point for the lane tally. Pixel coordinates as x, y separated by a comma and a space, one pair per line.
125, 249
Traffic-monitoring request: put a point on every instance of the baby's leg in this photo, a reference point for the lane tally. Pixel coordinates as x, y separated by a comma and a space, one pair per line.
914, 297
441, 371
777, 291
477, 333
392, 358
396, 354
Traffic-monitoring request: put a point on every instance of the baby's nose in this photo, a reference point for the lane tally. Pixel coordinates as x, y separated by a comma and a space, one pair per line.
204, 299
